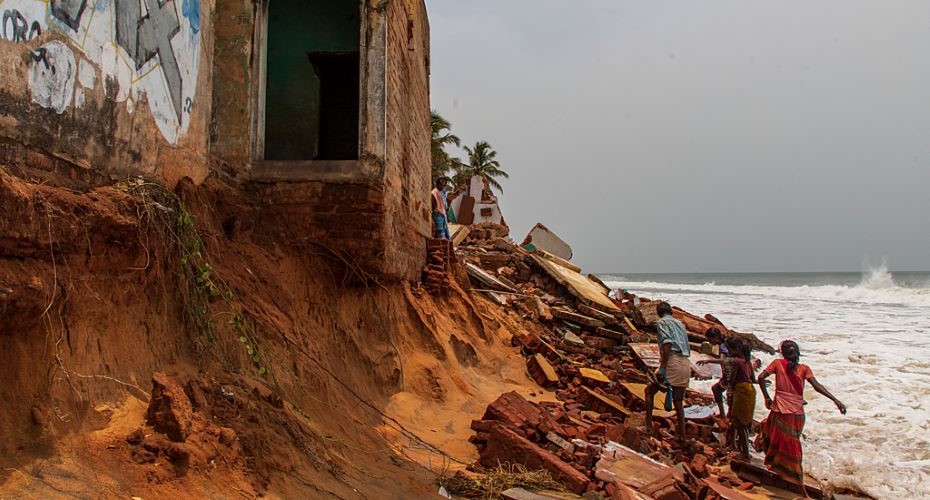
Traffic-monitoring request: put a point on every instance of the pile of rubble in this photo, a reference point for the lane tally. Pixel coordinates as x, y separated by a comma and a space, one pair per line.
595, 350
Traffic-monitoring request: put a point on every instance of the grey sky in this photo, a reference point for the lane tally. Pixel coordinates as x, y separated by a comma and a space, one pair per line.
660, 136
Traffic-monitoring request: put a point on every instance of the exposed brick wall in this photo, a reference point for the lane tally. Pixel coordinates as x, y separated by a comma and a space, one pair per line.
231, 120
407, 169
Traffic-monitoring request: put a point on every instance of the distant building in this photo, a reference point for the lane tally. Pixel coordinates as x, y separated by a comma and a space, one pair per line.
321, 107
474, 202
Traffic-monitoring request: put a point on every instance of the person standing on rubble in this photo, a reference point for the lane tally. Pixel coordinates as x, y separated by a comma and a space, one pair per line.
780, 432
743, 403
674, 366
440, 210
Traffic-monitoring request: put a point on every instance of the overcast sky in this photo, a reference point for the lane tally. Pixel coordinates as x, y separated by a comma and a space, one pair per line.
700, 136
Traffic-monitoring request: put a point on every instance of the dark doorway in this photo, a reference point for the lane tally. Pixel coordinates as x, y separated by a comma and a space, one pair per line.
312, 80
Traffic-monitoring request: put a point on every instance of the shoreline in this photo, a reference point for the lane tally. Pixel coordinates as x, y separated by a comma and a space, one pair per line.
588, 354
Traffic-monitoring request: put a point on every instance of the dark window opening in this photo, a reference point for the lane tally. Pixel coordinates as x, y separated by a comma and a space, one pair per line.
312, 80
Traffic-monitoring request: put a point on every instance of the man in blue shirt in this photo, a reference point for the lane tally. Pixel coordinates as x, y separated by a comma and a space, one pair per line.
674, 366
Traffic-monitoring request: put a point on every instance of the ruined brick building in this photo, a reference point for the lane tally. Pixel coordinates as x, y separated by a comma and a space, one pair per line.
320, 108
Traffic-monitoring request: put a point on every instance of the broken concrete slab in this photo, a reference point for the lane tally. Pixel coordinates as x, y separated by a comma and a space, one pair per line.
705, 371
542, 371
647, 354
725, 492
607, 333
579, 286
594, 378
459, 232
567, 315
542, 238
524, 494
486, 279
756, 471
601, 403
556, 259
573, 339
638, 391
597, 314
619, 464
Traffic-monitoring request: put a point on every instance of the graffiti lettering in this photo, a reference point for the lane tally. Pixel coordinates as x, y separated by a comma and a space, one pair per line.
41, 55
69, 12
52, 82
145, 37
188, 105
17, 29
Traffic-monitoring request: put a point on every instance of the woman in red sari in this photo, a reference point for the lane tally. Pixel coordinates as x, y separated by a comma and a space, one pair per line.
780, 436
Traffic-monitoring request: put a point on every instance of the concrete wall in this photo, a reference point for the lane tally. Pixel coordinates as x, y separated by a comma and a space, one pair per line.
375, 209
102, 89
105, 88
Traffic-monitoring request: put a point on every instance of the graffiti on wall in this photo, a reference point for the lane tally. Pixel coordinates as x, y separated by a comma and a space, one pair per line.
16, 27
150, 48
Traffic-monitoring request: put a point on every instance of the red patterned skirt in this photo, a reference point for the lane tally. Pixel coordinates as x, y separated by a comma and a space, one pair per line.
780, 439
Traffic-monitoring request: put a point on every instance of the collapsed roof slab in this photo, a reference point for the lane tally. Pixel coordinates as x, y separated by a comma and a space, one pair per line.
544, 239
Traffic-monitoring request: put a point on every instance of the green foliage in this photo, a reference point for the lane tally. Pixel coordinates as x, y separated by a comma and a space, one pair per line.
482, 161
204, 290
442, 162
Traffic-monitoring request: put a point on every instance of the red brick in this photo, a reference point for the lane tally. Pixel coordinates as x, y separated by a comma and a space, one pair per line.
505, 446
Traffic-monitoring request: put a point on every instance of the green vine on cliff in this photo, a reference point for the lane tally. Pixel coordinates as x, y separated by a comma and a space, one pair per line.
174, 224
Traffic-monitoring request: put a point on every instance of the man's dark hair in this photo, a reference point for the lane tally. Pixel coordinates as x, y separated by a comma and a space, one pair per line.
713, 333
663, 308
441, 180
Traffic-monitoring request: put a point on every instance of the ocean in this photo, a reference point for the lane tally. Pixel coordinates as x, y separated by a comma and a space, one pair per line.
866, 337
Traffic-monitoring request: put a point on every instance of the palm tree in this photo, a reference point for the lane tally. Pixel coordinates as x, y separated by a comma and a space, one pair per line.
481, 161
442, 136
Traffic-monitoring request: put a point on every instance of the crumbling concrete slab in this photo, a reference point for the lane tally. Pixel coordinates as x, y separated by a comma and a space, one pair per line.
567, 315
725, 492
593, 377
648, 354
579, 286
459, 232
544, 239
486, 279
603, 404
542, 371
639, 392
619, 464
558, 260
597, 314
524, 494
756, 472
705, 371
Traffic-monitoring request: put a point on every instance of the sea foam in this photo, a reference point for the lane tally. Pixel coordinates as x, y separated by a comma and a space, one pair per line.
868, 343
